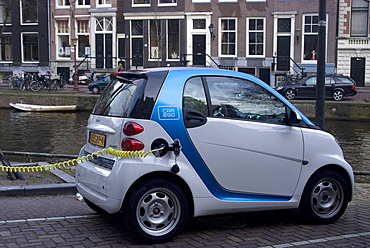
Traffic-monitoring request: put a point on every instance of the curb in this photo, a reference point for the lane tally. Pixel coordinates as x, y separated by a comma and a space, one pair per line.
42, 189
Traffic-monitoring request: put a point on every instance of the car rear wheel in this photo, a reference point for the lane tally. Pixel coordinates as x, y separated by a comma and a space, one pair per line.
290, 94
95, 90
156, 210
325, 197
338, 95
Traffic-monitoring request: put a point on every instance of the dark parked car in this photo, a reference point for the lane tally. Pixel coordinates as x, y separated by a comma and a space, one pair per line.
336, 87
98, 86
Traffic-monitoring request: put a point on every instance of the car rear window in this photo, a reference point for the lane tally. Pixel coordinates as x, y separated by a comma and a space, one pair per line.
345, 80
130, 95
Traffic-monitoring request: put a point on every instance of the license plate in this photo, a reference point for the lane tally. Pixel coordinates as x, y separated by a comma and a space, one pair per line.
97, 139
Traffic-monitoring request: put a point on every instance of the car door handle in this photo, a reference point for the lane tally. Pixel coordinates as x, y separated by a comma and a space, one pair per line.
193, 118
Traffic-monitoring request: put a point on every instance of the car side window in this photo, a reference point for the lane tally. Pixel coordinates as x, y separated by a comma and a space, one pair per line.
328, 81
311, 81
194, 96
243, 99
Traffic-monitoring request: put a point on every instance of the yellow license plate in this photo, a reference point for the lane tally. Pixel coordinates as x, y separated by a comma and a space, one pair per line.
97, 139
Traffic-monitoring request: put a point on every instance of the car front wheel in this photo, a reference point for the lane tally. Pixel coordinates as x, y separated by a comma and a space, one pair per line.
290, 94
338, 95
95, 90
156, 210
325, 197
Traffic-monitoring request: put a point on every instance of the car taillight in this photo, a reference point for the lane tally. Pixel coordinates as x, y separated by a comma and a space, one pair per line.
129, 144
131, 128
353, 87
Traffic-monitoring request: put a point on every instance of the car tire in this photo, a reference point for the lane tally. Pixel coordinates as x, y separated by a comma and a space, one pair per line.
338, 95
325, 197
95, 90
94, 207
156, 210
290, 94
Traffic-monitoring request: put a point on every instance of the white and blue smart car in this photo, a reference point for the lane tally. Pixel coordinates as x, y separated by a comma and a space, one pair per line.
228, 143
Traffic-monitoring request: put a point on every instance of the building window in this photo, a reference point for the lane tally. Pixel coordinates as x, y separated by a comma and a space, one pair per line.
83, 3
359, 13
173, 39
137, 2
256, 37
83, 32
6, 53
29, 11
228, 37
155, 39
137, 27
5, 12
63, 3
104, 24
104, 2
63, 38
199, 23
310, 36
284, 25
30, 47
103, 41
167, 2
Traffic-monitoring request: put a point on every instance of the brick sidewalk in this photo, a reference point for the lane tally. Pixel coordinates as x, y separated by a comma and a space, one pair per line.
63, 221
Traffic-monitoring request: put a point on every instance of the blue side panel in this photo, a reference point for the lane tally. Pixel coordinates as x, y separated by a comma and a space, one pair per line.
167, 112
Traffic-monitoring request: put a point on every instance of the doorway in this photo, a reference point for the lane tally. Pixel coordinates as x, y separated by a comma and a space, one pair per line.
137, 52
283, 53
199, 50
358, 71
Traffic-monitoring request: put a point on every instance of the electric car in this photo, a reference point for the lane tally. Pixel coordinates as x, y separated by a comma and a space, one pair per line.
203, 141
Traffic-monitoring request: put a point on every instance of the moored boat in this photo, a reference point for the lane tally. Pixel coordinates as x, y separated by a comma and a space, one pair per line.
43, 108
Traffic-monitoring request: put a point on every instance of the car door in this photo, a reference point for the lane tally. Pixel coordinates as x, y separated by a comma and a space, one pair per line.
244, 142
308, 87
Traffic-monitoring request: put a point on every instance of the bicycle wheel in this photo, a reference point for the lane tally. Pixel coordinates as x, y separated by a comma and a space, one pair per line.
35, 86
11, 85
54, 85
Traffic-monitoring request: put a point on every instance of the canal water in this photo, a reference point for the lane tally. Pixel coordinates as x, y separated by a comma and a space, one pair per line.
64, 133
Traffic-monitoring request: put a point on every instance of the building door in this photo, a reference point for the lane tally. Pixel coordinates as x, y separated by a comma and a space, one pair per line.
103, 50
199, 50
358, 71
265, 75
283, 53
137, 52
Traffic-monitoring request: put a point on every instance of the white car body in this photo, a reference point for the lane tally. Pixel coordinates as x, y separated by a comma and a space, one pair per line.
226, 165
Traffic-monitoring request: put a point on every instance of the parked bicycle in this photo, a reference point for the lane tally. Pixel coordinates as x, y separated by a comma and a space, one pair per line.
14, 82
43, 82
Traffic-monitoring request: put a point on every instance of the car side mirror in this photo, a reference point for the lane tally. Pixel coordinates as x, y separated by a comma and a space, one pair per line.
292, 117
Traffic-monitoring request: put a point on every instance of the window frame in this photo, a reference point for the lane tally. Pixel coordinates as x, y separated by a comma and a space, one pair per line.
307, 34
177, 39
23, 47
358, 10
83, 5
64, 5
104, 4
248, 32
22, 17
66, 50
167, 4
220, 35
5, 45
159, 58
133, 4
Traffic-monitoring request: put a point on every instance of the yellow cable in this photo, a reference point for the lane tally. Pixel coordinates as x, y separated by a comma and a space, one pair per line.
89, 157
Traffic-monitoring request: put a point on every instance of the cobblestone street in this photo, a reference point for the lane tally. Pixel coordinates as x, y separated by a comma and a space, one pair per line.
63, 221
